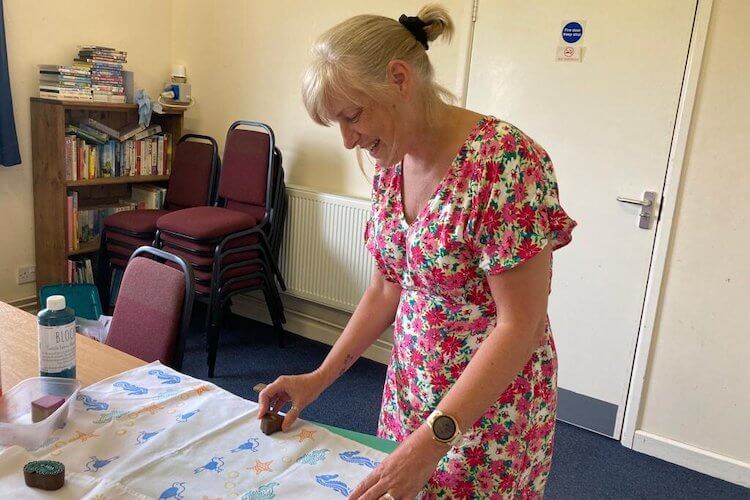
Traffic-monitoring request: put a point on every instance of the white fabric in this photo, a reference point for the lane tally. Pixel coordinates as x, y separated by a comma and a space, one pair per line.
155, 433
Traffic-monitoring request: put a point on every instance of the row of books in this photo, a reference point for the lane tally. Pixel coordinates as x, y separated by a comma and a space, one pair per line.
105, 65
95, 75
146, 156
71, 82
85, 224
80, 270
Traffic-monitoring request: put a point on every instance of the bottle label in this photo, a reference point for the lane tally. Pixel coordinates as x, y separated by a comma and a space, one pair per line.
57, 347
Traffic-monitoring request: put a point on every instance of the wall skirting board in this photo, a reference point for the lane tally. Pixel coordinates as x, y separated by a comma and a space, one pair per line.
28, 304
310, 320
694, 458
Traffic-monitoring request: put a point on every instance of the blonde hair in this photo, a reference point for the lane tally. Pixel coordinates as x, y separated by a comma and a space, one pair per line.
352, 59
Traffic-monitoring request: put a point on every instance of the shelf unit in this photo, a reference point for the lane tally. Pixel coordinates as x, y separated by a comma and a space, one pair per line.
49, 118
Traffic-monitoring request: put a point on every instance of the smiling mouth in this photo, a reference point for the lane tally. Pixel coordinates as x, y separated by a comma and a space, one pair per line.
372, 146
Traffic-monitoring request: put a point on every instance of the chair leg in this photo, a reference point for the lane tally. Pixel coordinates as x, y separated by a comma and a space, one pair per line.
104, 272
214, 330
277, 325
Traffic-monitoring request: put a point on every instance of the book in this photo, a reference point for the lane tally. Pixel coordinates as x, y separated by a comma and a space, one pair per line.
101, 136
152, 130
83, 134
114, 134
128, 131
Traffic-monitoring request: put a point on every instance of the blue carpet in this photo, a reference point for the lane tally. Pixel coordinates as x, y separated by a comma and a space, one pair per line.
585, 465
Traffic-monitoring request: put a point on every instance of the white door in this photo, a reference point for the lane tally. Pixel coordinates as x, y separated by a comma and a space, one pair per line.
607, 123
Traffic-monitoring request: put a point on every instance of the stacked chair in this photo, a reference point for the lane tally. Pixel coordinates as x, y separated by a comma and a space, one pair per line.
195, 168
233, 246
152, 313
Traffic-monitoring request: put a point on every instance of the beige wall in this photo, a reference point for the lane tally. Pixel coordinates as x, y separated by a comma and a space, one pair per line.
245, 61
698, 381
49, 32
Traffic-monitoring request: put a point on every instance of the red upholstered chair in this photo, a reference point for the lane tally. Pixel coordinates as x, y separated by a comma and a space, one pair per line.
191, 183
233, 246
152, 313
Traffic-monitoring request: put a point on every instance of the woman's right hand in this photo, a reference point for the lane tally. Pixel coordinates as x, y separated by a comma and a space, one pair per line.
300, 390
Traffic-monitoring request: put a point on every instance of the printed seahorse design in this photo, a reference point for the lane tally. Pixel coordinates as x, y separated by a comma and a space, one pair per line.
106, 418
145, 436
249, 445
95, 464
165, 377
91, 403
216, 464
313, 457
173, 492
329, 481
264, 492
132, 390
186, 416
353, 458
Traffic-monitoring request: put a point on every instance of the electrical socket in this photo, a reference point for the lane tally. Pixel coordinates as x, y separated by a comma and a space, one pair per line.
26, 275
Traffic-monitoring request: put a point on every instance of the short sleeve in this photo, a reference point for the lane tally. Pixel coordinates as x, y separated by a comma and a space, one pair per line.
521, 210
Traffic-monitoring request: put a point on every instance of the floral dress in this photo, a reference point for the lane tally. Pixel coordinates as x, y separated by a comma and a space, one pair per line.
496, 207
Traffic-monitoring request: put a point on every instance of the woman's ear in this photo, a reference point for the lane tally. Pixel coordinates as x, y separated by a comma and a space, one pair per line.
399, 73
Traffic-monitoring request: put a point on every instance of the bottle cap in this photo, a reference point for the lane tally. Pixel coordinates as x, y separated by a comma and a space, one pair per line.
56, 302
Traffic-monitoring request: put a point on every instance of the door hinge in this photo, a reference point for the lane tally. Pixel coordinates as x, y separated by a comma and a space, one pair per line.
474, 10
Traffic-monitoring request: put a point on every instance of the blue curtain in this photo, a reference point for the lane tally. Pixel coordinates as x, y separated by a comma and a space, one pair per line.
9, 154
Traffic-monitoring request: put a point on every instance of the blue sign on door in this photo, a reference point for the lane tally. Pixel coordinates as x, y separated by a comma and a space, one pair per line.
572, 32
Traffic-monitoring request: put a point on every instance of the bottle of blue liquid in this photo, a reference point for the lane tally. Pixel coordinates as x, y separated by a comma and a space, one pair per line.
57, 339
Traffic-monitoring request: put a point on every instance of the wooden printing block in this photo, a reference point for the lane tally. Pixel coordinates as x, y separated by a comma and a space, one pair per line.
270, 423
44, 474
45, 406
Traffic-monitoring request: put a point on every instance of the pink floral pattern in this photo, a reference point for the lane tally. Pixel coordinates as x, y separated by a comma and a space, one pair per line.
496, 207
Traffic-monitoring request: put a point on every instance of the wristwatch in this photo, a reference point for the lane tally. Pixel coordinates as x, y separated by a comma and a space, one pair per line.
444, 428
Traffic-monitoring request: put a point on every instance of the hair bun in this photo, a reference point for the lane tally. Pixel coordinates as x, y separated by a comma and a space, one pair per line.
438, 22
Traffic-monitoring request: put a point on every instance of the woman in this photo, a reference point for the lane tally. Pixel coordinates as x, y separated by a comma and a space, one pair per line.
464, 219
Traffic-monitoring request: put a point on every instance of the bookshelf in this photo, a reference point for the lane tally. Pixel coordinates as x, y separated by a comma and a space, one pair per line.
49, 118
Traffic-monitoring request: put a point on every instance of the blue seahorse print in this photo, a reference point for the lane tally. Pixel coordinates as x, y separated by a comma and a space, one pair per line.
186, 416
174, 492
216, 464
166, 378
145, 436
95, 463
265, 492
106, 418
314, 457
329, 481
249, 445
91, 403
132, 390
353, 457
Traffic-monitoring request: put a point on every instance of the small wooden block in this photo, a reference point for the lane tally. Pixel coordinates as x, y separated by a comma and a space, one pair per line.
45, 406
270, 423
44, 474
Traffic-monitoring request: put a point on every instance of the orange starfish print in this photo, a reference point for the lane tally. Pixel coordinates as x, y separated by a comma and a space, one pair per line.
305, 434
201, 389
82, 436
261, 467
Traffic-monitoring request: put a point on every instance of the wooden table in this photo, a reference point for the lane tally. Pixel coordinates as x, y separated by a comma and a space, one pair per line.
20, 359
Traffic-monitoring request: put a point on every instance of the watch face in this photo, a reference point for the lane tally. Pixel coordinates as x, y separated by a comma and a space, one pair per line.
444, 427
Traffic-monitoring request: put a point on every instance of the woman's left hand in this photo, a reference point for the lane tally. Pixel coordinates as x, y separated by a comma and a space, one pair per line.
406, 471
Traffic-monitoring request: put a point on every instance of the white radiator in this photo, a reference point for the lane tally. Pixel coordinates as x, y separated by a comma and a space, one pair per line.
323, 256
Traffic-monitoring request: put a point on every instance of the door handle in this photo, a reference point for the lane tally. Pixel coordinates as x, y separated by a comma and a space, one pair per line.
647, 207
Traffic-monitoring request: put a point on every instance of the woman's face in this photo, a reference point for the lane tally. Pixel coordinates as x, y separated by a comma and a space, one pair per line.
370, 125
382, 126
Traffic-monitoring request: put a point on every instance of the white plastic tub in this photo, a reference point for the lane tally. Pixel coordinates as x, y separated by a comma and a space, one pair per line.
16, 427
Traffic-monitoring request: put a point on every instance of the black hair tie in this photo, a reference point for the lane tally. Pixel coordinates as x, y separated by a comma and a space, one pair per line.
416, 27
